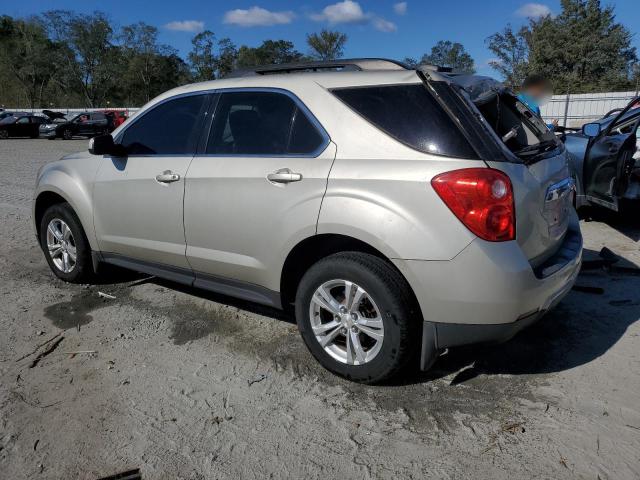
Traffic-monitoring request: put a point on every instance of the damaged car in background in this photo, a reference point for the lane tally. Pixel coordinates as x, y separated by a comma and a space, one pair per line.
605, 159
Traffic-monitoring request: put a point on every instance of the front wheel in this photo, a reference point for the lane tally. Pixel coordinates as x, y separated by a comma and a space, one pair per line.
67, 134
4, 134
65, 245
356, 316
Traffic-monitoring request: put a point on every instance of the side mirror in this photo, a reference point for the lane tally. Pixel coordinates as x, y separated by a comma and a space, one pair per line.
104, 145
591, 129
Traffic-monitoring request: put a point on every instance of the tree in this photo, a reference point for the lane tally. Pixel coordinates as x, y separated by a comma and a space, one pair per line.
147, 69
271, 52
512, 54
90, 56
583, 49
210, 59
326, 45
28, 55
450, 54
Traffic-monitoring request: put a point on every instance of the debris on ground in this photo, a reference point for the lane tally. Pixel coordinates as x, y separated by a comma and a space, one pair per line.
78, 352
106, 295
46, 352
257, 379
39, 346
128, 475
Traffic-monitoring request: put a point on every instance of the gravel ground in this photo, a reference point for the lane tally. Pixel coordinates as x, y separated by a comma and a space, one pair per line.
185, 384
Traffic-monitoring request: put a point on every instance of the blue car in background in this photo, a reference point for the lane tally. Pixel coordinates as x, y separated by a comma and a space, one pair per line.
605, 159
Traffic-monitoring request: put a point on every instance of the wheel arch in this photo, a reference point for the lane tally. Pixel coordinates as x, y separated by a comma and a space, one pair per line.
314, 248
49, 196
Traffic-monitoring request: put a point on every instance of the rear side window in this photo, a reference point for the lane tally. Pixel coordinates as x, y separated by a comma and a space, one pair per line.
171, 128
411, 115
261, 123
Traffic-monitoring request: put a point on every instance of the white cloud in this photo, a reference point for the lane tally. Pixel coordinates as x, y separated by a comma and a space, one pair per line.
185, 26
383, 25
533, 10
347, 11
257, 17
400, 8
351, 12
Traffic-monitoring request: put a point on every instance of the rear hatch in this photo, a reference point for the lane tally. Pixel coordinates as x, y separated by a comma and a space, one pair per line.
533, 158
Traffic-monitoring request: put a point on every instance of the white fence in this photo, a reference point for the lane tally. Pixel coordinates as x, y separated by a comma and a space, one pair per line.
575, 110
74, 111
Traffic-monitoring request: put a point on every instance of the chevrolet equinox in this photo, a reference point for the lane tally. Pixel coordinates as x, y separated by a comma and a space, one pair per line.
397, 212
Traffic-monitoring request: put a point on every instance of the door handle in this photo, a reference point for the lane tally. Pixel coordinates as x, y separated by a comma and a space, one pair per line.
167, 177
284, 175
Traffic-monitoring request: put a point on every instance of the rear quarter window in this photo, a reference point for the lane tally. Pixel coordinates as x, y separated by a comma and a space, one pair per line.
411, 115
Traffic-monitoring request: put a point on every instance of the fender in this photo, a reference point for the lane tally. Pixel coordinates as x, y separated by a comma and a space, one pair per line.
71, 178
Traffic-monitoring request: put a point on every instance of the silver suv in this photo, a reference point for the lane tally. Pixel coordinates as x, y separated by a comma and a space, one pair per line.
398, 212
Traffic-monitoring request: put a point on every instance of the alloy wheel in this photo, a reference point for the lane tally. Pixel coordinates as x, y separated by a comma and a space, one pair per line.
61, 245
346, 322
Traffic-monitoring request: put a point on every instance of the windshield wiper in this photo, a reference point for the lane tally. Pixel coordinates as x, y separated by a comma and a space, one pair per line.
537, 148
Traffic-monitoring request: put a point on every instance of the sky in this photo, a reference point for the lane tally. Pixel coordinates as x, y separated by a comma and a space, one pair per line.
376, 28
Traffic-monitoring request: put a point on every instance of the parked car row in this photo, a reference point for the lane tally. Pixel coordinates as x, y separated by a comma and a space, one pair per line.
54, 125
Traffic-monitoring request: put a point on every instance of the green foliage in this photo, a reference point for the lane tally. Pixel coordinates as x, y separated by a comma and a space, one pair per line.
450, 54
210, 59
512, 54
271, 52
581, 50
326, 45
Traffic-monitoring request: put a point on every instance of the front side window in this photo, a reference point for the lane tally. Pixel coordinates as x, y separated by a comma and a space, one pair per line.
171, 128
261, 123
23, 120
411, 115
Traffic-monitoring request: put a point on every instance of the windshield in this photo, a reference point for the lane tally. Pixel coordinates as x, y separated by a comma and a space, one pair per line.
7, 120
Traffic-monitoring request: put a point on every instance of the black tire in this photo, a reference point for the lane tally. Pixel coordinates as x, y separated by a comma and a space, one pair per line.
67, 134
4, 134
83, 269
391, 293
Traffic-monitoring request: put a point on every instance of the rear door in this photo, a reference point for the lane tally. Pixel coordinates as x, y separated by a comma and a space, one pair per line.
257, 188
609, 161
138, 199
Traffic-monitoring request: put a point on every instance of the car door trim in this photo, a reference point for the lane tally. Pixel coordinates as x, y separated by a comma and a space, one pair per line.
213, 283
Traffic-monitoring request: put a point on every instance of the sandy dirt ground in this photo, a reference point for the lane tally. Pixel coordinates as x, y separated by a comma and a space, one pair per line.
189, 385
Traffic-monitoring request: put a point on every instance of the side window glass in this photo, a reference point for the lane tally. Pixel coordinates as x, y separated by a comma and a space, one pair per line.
251, 123
261, 123
171, 128
305, 137
23, 120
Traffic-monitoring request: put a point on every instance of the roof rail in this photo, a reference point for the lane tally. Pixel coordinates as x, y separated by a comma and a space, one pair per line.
350, 64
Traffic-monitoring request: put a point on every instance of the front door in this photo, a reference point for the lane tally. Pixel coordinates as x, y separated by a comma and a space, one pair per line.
609, 160
138, 199
257, 189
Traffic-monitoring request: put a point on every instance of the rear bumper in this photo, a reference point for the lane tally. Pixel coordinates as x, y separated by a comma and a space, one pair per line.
489, 291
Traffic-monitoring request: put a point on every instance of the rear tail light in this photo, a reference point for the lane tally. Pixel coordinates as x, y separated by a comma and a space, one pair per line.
482, 199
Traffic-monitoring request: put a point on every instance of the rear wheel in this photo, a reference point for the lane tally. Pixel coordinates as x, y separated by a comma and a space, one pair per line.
357, 318
67, 134
65, 245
